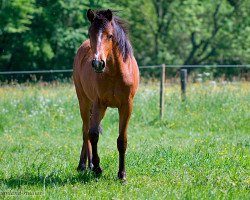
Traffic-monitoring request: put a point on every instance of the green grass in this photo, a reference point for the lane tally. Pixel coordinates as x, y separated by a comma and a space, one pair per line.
199, 151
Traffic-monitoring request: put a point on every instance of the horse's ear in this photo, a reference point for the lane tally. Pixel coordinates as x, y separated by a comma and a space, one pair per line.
109, 15
90, 15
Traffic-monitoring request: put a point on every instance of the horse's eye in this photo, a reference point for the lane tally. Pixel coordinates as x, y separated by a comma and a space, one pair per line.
110, 36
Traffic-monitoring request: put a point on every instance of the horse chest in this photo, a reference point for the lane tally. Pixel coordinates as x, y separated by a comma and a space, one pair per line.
111, 94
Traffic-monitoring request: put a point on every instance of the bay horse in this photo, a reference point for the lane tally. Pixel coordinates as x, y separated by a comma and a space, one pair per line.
105, 75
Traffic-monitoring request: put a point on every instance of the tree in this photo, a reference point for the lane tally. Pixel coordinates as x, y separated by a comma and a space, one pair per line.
16, 17
40, 34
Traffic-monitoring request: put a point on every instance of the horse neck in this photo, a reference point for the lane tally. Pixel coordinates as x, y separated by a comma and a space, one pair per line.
116, 64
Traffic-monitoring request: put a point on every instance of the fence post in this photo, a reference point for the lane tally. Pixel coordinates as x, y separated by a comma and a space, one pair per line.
183, 83
162, 88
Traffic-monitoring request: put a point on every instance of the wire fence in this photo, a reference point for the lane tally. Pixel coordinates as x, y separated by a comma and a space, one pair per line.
183, 76
140, 67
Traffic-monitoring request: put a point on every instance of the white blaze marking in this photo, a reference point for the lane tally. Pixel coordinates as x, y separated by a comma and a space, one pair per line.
99, 40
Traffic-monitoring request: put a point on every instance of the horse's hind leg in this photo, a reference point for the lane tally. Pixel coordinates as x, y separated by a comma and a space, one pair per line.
96, 117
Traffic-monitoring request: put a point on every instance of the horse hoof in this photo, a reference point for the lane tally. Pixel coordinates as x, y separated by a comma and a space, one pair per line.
122, 175
81, 167
97, 171
91, 166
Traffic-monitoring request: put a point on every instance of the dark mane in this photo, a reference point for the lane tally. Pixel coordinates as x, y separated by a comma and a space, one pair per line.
121, 37
121, 32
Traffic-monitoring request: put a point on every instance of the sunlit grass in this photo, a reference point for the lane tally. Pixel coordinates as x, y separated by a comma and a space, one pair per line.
200, 150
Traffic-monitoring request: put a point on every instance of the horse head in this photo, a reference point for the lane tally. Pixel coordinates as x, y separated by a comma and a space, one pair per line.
101, 33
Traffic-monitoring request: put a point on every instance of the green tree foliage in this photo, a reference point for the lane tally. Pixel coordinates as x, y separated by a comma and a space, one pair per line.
42, 34
45, 34
15, 20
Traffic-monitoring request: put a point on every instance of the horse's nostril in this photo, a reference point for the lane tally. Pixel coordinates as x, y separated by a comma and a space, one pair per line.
93, 63
103, 63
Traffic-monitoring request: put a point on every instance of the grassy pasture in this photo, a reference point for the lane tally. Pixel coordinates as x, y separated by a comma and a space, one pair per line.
199, 151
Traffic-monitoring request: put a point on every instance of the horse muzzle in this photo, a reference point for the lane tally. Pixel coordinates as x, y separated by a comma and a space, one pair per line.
98, 65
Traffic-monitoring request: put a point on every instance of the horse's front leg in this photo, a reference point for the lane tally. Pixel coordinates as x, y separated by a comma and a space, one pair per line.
97, 115
124, 115
86, 146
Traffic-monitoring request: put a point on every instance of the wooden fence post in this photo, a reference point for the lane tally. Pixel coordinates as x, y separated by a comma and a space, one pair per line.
162, 88
183, 83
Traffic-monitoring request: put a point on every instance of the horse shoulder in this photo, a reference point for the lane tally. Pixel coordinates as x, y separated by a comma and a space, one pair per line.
129, 79
80, 69
136, 73
132, 74
82, 53
135, 77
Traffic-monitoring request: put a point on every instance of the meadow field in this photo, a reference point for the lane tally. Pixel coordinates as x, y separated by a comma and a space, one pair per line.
200, 150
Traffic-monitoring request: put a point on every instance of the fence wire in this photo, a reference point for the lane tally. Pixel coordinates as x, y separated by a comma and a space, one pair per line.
140, 67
